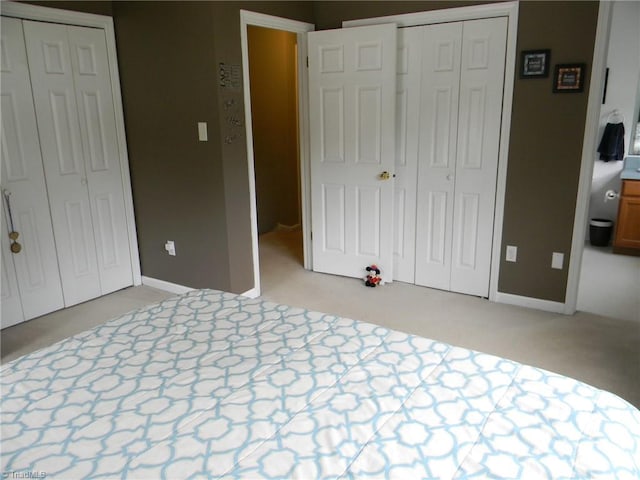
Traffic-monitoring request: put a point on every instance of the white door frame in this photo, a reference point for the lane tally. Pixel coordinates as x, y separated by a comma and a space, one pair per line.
33, 12
589, 147
503, 9
300, 28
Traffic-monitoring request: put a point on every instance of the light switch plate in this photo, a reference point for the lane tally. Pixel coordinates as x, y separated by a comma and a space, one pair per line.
202, 132
512, 253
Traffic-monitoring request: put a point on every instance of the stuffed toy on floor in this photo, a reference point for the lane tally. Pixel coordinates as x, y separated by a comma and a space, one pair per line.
373, 278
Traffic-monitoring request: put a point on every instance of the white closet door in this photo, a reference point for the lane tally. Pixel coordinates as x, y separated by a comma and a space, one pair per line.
352, 88
36, 269
482, 79
407, 124
10, 294
55, 101
102, 162
462, 82
440, 85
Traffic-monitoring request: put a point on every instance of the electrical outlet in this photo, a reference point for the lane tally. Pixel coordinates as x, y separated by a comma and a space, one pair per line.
557, 259
512, 253
170, 247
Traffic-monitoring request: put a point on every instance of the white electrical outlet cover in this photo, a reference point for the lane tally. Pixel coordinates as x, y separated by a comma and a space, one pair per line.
557, 259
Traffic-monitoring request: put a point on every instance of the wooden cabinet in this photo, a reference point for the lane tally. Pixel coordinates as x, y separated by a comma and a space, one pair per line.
627, 238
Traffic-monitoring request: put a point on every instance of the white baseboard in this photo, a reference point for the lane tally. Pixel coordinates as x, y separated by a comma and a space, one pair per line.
253, 293
537, 303
286, 228
166, 286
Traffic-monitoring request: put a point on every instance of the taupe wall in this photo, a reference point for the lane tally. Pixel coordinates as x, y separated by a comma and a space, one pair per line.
331, 14
198, 193
272, 66
545, 151
195, 193
168, 71
87, 6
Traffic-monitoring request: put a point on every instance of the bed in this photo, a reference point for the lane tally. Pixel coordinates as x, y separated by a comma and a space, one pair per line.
214, 385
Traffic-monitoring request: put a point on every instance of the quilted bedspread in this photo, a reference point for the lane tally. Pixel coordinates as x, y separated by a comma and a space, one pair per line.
210, 385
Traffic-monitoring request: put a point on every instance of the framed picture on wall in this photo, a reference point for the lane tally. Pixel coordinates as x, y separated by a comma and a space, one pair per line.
569, 78
534, 63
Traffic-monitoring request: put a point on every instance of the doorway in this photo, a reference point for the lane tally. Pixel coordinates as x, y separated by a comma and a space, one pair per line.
278, 180
609, 283
274, 117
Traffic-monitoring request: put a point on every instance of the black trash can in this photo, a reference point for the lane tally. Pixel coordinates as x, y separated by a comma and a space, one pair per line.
600, 232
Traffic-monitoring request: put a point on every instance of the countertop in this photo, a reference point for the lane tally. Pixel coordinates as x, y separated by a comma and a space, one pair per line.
631, 169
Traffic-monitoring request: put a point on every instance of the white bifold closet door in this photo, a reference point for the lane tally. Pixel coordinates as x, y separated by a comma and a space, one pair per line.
30, 279
448, 106
74, 106
461, 106
60, 169
406, 164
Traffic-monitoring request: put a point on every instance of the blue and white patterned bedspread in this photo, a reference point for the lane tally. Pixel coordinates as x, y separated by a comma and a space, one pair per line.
211, 385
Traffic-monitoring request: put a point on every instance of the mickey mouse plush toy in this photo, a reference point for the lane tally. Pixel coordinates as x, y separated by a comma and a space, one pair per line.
373, 276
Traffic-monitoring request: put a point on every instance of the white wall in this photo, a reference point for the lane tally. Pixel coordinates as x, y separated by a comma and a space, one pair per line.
623, 61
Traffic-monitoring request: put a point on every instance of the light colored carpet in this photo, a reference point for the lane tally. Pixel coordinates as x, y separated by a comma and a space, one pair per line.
609, 283
46, 330
598, 350
601, 351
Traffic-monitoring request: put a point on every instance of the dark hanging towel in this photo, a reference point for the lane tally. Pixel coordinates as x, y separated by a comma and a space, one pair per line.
612, 143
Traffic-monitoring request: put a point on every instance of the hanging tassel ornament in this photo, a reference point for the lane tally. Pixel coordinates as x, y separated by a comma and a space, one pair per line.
13, 235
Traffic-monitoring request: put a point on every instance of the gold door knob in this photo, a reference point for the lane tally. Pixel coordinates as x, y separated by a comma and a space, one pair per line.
385, 175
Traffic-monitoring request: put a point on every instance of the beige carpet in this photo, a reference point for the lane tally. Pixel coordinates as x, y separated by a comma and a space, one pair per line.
46, 330
598, 350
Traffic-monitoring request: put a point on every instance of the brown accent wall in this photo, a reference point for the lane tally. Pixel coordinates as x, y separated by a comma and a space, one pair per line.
87, 6
330, 14
272, 67
197, 193
545, 150
167, 72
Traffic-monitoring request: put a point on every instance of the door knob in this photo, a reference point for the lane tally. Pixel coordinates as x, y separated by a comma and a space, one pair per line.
385, 175
449, 177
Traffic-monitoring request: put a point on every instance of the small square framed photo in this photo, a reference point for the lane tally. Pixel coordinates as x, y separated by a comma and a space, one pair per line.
535, 63
569, 78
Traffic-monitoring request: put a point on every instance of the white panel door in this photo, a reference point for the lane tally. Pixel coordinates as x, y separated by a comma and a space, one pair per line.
407, 123
102, 161
11, 304
57, 112
462, 82
352, 88
440, 87
482, 79
36, 269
